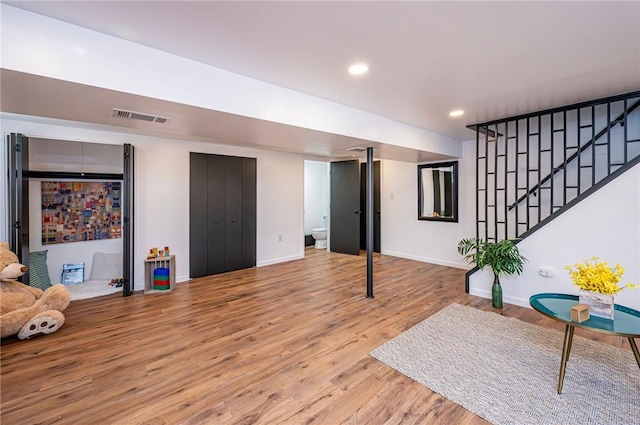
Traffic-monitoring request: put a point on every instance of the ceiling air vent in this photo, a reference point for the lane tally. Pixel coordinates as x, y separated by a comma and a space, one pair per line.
131, 115
356, 149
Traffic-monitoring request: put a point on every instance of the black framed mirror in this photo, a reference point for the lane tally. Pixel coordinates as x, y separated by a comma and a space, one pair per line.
438, 191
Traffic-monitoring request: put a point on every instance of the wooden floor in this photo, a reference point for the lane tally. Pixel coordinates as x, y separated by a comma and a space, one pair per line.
286, 343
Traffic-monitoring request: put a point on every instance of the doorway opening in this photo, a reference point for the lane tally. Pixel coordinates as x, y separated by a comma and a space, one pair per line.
316, 204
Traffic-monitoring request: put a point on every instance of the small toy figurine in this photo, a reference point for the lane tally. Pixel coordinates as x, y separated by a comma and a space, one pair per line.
166, 251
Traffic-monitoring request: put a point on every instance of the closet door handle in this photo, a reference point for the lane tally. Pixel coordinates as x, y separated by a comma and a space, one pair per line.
233, 220
215, 221
357, 212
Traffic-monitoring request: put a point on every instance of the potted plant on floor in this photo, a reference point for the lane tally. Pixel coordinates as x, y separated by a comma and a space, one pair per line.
502, 257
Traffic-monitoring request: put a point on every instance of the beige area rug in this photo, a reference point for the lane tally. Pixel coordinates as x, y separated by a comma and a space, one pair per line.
506, 370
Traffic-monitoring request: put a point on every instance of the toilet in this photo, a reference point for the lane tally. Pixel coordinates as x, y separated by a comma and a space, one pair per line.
320, 235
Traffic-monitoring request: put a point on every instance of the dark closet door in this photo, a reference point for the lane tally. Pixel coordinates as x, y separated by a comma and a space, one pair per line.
216, 213
128, 240
345, 207
233, 205
248, 212
198, 216
222, 214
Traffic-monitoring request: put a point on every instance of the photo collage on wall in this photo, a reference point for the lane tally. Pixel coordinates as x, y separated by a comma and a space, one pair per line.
74, 211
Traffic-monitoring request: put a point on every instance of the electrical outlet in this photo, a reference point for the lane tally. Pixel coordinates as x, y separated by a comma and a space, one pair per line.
547, 272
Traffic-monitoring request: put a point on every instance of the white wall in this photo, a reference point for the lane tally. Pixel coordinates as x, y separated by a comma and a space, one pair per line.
316, 195
606, 224
403, 235
162, 191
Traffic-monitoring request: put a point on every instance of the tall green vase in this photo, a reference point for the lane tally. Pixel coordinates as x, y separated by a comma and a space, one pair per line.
496, 293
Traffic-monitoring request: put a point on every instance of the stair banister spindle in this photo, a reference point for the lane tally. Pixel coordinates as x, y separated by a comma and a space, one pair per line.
579, 144
528, 150
506, 177
593, 145
552, 135
564, 157
539, 168
624, 130
608, 138
517, 139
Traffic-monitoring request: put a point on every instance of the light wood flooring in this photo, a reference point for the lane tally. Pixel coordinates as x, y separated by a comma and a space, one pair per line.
283, 344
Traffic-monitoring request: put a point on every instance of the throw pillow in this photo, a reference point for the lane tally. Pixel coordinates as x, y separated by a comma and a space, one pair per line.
38, 270
106, 266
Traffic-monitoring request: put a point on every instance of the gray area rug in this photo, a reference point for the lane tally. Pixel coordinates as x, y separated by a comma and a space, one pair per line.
506, 370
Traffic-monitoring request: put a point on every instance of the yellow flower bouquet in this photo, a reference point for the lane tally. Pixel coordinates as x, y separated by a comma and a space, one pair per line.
596, 276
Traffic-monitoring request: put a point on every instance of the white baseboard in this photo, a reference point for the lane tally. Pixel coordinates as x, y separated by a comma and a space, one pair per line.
439, 262
280, 260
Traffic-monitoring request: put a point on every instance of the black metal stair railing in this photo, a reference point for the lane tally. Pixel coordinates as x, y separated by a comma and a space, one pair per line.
531, 168
618, 121
534, 166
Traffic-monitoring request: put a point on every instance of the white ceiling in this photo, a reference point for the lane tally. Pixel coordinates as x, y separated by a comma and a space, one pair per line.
492, 59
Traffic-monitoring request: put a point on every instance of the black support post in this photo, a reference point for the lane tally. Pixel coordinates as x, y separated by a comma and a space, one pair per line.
369, 222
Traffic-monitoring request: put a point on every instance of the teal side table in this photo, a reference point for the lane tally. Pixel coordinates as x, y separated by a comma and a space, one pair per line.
625, 323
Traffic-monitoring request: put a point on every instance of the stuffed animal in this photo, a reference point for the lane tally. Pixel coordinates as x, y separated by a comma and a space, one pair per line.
25, 310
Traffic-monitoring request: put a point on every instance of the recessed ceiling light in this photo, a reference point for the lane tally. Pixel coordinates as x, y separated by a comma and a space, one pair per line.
456, 113
358, 69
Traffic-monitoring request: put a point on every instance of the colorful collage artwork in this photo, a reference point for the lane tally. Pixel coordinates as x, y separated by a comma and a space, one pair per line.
80, 211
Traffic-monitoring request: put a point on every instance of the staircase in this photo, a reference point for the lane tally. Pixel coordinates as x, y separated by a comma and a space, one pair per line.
531, 168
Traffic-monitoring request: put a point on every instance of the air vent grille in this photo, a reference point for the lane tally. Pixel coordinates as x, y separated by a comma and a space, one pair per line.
356, 149
141, 116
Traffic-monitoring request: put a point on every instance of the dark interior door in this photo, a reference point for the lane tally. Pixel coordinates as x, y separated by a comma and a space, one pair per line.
345, 207
376, 206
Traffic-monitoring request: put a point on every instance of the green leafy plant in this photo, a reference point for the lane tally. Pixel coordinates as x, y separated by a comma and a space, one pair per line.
502, 257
